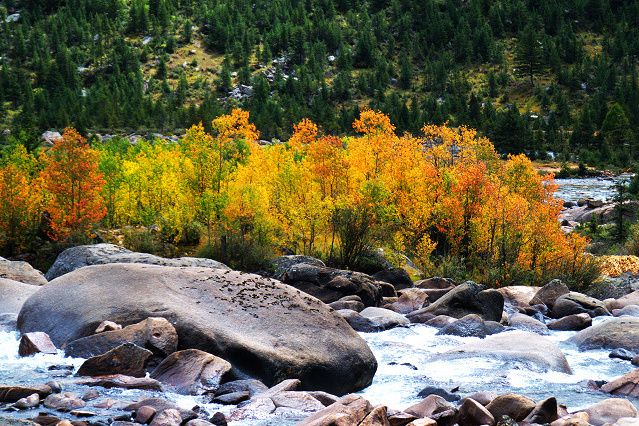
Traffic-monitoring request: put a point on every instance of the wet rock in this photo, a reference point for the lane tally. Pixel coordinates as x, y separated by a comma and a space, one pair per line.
154, 334
520, 347
626, 385
621, 353
144, 414
549, 293
100, 254
409, 300
384, 319
122, 382
351, 305
30, 401
324, 397
161, 405
21, 272
377, 417
107, 326
200, 422
219, 419
577, 419
423, 422
575, 322
610, 410
628, 310
577, 303
169, 417
90, 395
471, 326
237, 316
9, 393
397, 277
472, 412
517, 407
436, 287
192, 372
360, 323
81, 413
440, 321
349, 410
526, 323
399, 418
297, 400
544, 412
128, 359
484, 398
467, 298
635, 361
330, 285
35, 343
257, 408
610, 334
13, 294
252, 386
517, 296
8, 322
232, 398
66, 401
431, 390
430, 407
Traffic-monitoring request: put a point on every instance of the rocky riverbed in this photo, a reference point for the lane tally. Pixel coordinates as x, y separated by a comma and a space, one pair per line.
134, 340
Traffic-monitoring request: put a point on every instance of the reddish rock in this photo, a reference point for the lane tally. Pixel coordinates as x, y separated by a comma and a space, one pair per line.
626, 385
122, 382
128, 359
36, 342
107, 326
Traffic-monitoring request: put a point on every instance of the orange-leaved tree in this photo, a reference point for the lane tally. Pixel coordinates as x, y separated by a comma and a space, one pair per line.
73, 184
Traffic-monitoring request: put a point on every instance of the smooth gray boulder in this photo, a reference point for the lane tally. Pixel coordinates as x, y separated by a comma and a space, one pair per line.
265, 329
614, 333
101, 254
13, 294
21, 272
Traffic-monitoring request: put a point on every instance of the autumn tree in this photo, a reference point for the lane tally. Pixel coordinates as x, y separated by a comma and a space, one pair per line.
73, 184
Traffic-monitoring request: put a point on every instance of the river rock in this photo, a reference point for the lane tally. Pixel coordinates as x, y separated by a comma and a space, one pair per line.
526, 323
471, 326
484, 398
467, 298
576, 419
573, 322
128, 359
13, 294
30, 401
472, 412
626, 385
66, 401
358, 322
549, 293
154, 334
347, 411
282, 263
200, 422
435, 287
351, 305
518, 296
144, 414
544, 412
36, 343
12, 394
159, 405
121, 381
409, 300
107, 326
100, 254
330, 285
233, 398
21, 272
431, 390
423, 422
628, 310
517, 407
534, 351
627, 300
439, 321
384, 319
8, 322
610, 410
577, 303
265, 329
397, 277
169, 417
621, 353
433, 407
192, 372
611, 334
252, 386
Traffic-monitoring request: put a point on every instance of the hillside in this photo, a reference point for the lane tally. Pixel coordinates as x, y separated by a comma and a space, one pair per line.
534, 77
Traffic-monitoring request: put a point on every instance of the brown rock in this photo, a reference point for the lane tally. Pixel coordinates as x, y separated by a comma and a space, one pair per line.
21, 272
199, 422
349, 410
160, 405
575, 322
377, 417
423, 422
628, 299
612, 333
399, 418
577, 303
430, 406
232, 398
517, 407
472, 412
611, 410
107, 326
12, 394
518, 295
549, 293
255, 408
484, 398
66, 401
121, 381
544, 412
35, 343
409, 300
626, 385
30, 401
128, 359
144, 414
169, 417
192, 372
297, 400
577, 419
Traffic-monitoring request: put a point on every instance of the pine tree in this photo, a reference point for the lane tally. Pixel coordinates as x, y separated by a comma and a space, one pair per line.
529, 54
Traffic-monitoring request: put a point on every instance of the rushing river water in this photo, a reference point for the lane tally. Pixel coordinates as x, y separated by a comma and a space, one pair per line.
598, 188
405, 367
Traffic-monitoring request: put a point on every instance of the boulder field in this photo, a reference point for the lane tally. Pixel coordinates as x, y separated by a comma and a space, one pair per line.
265, 329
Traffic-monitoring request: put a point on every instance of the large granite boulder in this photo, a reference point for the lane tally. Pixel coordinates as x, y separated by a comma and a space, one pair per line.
101, 254
13, 294
264, 328
578, 303
21, 272
613, 333
467, 298
330, 285
549, 293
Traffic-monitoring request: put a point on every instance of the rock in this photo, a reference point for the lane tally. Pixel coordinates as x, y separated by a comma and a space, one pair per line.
573, 322
122, 382
107, 326
409, 300
621, 353
169, 417
66, 401
471, 326
200, 422
549, 293
430, 390
252, 386
282, 263
219, 419
159, 405
515, 406
100, 254
30, 401
128, 359
351, 305
13, 294
347, 411
423, 422
296, 400
144, 414
627, 421
12, 394
627, 300
257, 408
265, 329
21, 272
484, 398
35, 343
472, 412
467, 298
377, 417
439, 321
626, 385
330, 285
610, 410
192, 372
384, 319
90, 395
154, 334
397, 277
283, 386
577, 419
518, 296
611, 334
232, 398
399, 418
593, 204
324, 397
577, 303
544, 412
628, 310
635, 361
521, 347
436, 287
526, 323
358, 322
8, 322
430, 407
